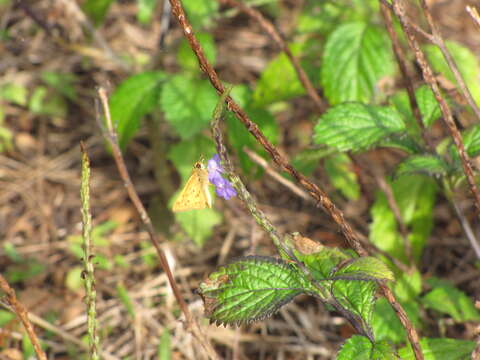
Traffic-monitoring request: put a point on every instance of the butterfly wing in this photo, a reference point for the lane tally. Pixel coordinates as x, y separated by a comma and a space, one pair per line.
195, 195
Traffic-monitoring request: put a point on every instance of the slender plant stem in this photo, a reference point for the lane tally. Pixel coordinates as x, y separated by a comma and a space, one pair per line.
88, 272
314, 190
22, 314
406, 76
270, 29
438, 40
111, 136
444, 107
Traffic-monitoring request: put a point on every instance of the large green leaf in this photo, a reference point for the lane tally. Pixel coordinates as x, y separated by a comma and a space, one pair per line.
423, 164
467, 63
188, 104
356, 126
447, 299
132, 99
361, 348
250, 288
415, 197
441, 349
357, 55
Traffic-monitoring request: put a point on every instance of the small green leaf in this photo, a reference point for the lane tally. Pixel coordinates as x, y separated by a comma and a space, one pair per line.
5, 318
365, 268
441, 349
356, 126
165, 346
321, 264
428, 105
14, 93
361, 348
343, 178
188, 104
423, 164
466, 61
146, 9
447, 299
356, 57
200, 12
249, 289
134, 98
415, 197
97, 9
187, 59
61, 82
43, 102
278, 81
124, 297
407, 286
73, 279
471, 140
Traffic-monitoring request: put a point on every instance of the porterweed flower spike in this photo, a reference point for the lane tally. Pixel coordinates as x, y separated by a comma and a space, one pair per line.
223, 187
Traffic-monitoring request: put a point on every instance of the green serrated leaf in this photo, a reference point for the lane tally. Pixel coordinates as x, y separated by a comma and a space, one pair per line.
387, 326
447, 299
365, 268
200, 12
187, 59
132, 99
423, 164
356, 126
343, 178
146, 9
440, 349
415, 197
249, 289
358, 297
279, 80
321, 264
466, 61
428, 105
97, 9
357, 55
361, 348
188, 104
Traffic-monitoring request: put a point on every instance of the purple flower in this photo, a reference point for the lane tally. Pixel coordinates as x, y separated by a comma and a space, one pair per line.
223, 187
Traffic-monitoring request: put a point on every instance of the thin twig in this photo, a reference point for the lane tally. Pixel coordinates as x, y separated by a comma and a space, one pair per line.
22, 314
111, 135
466, 228
89, 275
270, 29
316, 192
275, 175
406, 76
438, 40
472, 11
444, 107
